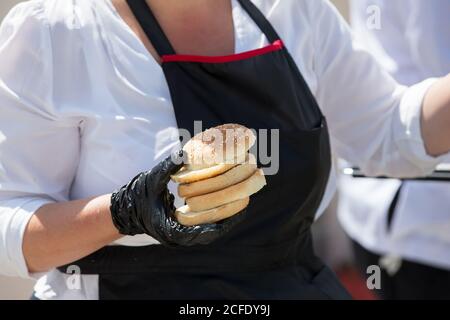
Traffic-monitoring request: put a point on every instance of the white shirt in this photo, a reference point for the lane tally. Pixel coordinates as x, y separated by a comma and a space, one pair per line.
412, 44
84, 107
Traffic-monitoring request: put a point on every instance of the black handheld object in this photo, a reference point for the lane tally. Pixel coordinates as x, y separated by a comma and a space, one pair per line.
146, 206
438, 175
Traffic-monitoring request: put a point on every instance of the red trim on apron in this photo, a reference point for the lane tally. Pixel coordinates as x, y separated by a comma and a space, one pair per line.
275, 46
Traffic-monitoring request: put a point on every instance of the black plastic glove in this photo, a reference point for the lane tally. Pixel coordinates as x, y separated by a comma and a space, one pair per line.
145, 205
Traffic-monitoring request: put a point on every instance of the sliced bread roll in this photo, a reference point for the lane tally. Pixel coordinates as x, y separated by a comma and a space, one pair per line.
222, 181
186, 175
235, 192
218, 145
187, 217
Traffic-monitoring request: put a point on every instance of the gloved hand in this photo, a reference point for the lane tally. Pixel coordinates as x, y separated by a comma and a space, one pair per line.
145, 205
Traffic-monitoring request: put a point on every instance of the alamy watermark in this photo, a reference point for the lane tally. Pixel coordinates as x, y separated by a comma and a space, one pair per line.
373, 21
373, 281
390, 264
73, 281
266, 148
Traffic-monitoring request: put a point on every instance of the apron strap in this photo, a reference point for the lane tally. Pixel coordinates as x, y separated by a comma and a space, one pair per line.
260, 20
151, 27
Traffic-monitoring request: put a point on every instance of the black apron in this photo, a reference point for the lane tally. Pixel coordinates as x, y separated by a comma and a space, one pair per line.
270, 254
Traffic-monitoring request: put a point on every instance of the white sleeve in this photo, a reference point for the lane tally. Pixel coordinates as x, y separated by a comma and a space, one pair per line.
374, 122
38, 150
427, 33
387, 41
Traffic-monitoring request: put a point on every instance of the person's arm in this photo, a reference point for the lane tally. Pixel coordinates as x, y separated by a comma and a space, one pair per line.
436, 118
429, 48
408, 46
39, 154
59, 233
375, 123
39, 149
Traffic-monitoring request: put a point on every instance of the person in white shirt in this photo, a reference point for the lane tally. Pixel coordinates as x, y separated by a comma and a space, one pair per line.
92, 92
402, 226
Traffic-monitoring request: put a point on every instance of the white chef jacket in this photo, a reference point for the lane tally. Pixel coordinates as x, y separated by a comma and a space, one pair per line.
412, 44
84, 107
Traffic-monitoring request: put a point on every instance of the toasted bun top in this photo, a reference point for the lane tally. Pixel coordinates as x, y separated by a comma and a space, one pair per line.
218, 145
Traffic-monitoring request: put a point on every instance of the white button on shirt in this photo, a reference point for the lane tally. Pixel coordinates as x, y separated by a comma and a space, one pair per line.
84, 108
412, 44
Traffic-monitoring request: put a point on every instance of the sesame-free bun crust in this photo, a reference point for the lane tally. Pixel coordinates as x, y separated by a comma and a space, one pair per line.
219, 145
187, 217
233, 193
219, 182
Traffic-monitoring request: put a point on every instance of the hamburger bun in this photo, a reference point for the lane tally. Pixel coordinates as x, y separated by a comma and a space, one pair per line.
233, 193
222, 181
186, 175
187, 217
219, 145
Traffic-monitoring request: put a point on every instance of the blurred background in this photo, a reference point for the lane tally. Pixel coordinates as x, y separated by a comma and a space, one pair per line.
326, 231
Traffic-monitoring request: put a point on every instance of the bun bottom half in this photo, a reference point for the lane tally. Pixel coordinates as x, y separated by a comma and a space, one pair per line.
222, 181
188, 218
233, 193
